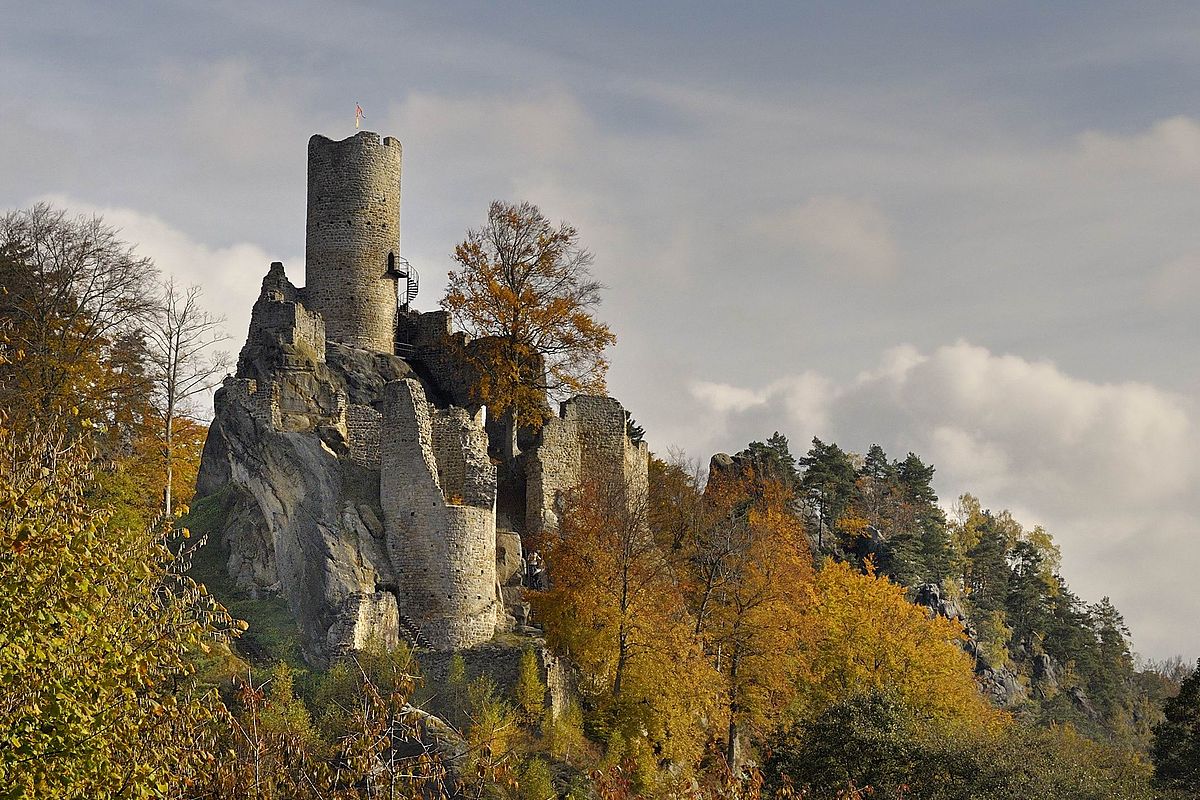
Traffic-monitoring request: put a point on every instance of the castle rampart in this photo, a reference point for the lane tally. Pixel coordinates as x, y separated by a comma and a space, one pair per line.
588, 440
353, 237
438, 490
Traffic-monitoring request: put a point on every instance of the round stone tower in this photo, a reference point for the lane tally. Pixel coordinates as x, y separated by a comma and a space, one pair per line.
352, 243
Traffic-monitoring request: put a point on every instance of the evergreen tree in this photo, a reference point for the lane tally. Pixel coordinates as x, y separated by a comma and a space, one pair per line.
920, 551
828, 485
1109, 684
1176, 751
988, 575
1029, 596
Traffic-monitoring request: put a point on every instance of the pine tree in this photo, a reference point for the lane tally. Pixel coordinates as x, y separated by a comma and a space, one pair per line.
827, 486
1176, 751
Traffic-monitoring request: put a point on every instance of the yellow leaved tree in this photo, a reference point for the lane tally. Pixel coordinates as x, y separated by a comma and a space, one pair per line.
97, 646
750, 586
614, 609
863, 634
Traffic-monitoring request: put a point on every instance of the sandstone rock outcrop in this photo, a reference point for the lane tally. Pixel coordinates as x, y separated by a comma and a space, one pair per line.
357, 475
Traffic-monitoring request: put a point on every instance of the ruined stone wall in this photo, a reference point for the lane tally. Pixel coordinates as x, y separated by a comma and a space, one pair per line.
353, 226
361, 618
362, 434
441, 352
292, 326
501, 663
283, 333
441, 543
588, 441
245, 392
306, 403
553, 468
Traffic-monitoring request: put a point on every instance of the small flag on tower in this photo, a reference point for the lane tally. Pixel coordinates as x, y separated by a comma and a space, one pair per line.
358, 115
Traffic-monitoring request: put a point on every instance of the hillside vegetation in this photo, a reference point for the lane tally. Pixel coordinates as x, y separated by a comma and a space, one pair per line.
773, 626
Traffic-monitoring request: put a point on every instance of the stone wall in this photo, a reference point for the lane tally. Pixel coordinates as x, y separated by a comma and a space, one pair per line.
353, 227
587, 441
442, 544
502, 663
441, 352
361, 618
295, 328
362, 434
260, 404
283, 333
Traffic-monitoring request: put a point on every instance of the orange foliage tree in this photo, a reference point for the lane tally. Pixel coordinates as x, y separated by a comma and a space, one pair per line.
615, 610
525, 288
752, 586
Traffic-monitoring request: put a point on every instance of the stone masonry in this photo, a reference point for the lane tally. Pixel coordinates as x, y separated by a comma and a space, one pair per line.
353, 237
438, 490
588, 440
355, 466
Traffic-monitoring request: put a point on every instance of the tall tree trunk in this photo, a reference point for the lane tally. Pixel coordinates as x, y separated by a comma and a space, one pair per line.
169, 448
731, 748
509, 449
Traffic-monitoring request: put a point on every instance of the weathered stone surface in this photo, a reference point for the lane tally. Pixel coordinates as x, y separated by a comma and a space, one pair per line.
1045, 670
930, 596
353, 237
588, 440
359, 484
1002, 687
296, 531
510, 560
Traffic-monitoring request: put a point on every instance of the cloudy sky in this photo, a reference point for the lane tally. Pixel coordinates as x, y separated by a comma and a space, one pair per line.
967, 230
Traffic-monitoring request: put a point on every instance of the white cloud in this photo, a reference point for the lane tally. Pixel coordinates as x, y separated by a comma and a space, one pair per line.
230, 275
839, 234
721, 397
1170, 148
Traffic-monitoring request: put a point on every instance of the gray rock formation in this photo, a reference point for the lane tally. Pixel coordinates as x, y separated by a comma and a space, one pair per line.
360, 485
930, 596
1001, 684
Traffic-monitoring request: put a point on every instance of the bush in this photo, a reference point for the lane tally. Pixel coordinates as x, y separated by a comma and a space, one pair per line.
100, 623
874, 740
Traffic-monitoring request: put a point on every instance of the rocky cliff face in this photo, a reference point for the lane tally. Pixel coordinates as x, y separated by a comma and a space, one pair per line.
305, 522
362, 488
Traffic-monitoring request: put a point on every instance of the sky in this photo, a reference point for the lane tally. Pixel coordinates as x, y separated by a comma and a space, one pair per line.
966, 230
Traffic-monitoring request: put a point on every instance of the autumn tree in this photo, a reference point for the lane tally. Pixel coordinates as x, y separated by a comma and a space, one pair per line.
862, 634
614, 609
355, 735
524, 289
182, 337
752, 584
882, 747
676, 507
73, 295
99, 698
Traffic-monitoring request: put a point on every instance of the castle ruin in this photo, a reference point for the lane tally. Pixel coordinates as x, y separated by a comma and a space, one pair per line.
359, 481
